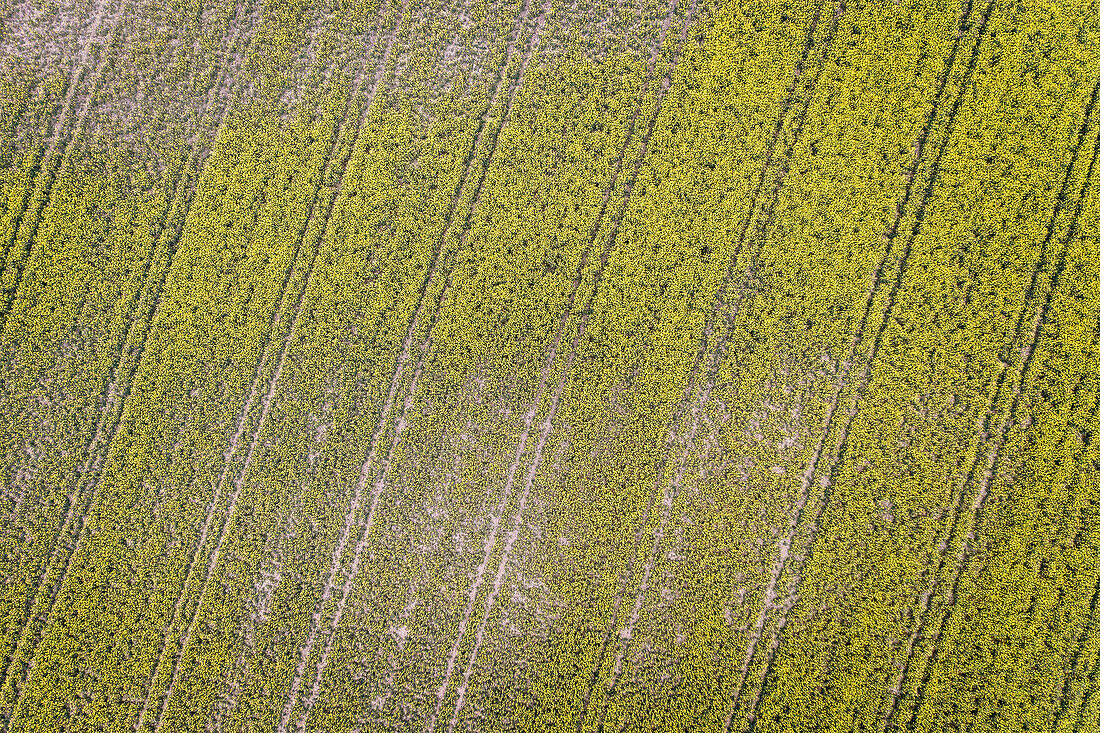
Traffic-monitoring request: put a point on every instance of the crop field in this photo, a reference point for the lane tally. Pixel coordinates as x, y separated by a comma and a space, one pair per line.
550, 365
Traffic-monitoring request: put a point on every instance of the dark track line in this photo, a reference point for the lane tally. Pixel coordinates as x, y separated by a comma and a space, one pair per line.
552, 357
1027, 360
593, 233
719, 355
380, 480
282, 527
677, 414
277, 314
807, 477
261, 202
51, 173
533, 44
103, 398
1005, 355
769, 219
605, 255
307, 649
984, 431
91, 468
1086, 631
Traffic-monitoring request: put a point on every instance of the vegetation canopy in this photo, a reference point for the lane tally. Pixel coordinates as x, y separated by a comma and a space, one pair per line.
550, 365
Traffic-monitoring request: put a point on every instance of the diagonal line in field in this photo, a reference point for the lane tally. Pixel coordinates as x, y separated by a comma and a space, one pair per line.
306, 650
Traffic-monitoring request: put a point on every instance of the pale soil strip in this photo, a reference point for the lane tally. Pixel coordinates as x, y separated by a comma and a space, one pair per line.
380, 483
306, 651
70, 147
82, 116
551, 358
21, 50
57, 548
826, 480
670, 494
983, 429
770, 593
94, 461
510, 475
239, 480
232, 685
453, 477
399, 429
1024, 363
56, 127
307, 648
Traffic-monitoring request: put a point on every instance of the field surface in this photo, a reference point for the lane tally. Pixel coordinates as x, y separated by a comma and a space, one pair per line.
550, 365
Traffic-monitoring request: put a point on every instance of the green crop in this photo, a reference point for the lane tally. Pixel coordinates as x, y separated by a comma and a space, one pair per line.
573, 366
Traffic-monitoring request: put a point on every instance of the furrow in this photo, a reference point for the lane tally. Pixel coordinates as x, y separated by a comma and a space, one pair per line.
241, 422
983, 425
1088, 630
113, 401
399, 429
306, 651
556, 398
1026, 360
718, 356
770, 592
1090, 690
95, 455
452, 477
533, 46
514, 534
677, 414
44, 179
268, 398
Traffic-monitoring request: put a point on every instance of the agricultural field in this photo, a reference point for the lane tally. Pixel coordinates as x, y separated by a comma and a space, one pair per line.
550, 365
